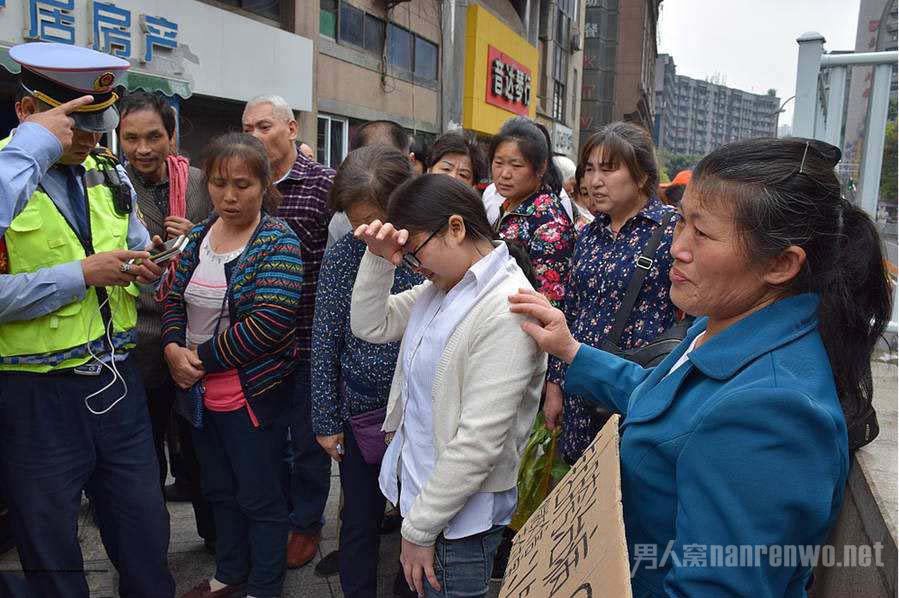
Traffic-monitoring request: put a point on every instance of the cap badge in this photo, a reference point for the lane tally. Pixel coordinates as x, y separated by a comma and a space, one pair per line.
104, 81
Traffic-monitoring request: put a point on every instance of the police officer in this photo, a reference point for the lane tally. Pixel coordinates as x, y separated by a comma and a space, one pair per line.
73, 416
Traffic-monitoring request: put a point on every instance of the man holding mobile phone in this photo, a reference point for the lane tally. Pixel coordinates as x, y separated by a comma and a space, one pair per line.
73, 416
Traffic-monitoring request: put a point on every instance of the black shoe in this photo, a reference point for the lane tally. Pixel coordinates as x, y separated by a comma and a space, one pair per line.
329, 565
501, 560
176, 492
401, 588
390, 523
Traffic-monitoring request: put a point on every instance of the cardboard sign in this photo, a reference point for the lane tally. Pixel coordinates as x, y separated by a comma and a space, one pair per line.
574, 545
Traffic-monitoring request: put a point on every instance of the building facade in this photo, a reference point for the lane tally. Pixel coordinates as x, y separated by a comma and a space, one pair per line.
695, 116
619, 63
375, 60
430, 65
204, 57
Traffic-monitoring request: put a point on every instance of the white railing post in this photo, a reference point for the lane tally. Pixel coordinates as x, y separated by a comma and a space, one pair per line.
805, 109
836, 97
875, 129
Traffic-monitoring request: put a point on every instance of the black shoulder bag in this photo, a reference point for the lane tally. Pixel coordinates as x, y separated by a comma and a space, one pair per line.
652, 353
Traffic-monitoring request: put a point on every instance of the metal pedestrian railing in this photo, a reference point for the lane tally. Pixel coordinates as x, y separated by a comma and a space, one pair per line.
819, 113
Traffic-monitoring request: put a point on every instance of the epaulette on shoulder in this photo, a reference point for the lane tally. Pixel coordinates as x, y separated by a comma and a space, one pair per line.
104, 153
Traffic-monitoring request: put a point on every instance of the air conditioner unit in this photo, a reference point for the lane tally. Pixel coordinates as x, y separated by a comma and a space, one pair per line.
575, 39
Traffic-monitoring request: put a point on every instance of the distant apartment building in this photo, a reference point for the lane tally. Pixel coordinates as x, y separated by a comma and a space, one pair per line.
694, 116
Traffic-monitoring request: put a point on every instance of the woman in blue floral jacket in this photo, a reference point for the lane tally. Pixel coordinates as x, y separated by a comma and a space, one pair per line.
621, 178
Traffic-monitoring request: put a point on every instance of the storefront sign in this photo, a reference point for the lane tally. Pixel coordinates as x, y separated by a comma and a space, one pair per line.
174, 46
500, 72
109, 27
563, 139
508, 83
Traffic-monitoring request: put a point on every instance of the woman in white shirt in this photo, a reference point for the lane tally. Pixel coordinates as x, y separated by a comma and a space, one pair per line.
467, 383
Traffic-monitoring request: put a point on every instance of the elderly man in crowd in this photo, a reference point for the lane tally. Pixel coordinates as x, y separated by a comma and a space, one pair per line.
305, 185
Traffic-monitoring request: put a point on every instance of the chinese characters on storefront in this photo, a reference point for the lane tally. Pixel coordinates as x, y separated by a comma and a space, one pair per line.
110, 27
508, 83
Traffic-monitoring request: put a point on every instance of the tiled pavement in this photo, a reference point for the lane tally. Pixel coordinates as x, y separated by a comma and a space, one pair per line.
189, 562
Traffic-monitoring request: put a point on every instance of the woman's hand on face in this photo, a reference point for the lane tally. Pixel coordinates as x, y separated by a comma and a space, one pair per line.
184, 365
550, 330
384, 240
553, 405
418, 563
330, 444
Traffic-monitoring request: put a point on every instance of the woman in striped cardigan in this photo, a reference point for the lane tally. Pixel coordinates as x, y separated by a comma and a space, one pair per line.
228, 332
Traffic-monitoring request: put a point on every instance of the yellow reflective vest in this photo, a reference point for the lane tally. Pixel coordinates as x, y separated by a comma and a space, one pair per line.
40, 237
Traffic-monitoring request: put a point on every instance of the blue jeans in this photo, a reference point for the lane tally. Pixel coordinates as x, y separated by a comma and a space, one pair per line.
240, 473
463, 566
51, 449
310, 475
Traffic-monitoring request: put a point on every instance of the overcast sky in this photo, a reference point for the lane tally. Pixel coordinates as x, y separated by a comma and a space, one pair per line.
751, 44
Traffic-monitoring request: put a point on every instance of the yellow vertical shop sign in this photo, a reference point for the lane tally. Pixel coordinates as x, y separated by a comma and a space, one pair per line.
500, 73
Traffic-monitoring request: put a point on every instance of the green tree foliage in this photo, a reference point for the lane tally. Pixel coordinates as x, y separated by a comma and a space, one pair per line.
674, 163
889, 171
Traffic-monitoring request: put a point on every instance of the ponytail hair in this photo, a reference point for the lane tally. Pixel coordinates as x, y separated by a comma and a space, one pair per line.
424, 204
784, 192
251, 152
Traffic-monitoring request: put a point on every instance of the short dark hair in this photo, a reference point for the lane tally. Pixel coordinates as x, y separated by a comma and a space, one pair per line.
381, 131
368, 174
784, 192
457, 142
628, 144
142, 100
22, 93
250, 150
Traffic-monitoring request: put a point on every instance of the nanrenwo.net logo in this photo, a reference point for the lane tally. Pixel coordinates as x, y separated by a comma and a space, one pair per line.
790, 556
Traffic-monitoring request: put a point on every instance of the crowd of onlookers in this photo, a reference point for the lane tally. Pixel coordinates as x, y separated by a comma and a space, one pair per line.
408, 320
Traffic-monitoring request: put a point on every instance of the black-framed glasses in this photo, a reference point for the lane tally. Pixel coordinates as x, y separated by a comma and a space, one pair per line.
410, 260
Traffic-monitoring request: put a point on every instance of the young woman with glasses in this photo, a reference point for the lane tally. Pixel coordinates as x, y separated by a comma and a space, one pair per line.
467, 383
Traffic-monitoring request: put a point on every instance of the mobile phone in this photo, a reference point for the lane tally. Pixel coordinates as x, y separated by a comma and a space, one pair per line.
170, 249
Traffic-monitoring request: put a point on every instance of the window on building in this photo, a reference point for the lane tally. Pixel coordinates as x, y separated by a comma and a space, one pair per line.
374, 34
266, 8
327, 18
560, 80
399, 48
351, 24
425, 59
558, 105
333, 139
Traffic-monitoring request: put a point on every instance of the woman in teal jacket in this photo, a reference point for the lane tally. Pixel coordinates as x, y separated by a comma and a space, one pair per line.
734, 452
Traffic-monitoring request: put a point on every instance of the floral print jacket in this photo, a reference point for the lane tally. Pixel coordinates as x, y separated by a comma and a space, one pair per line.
541, 226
